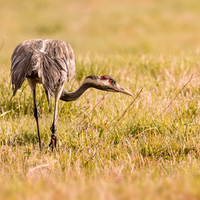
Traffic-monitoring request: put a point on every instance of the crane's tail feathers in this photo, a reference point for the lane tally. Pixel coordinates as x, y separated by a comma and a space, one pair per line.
52, 74
48, 95
18, 74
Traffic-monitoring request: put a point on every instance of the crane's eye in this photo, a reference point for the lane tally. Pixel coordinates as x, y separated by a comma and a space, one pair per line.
111, 81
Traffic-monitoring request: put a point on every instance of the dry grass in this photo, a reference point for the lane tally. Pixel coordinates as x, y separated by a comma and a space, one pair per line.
103, 156
149, 150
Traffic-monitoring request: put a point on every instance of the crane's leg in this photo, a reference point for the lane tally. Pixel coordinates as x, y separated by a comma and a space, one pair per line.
36, 115
36, 112
53, 127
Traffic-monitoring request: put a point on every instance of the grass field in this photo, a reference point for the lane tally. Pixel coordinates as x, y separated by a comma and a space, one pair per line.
150, 150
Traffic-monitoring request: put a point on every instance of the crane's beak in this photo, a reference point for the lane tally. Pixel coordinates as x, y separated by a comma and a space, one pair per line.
118, 88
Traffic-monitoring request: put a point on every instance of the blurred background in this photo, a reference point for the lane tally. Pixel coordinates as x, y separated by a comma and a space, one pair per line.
103, 27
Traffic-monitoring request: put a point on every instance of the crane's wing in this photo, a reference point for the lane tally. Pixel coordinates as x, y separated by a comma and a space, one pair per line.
20, 65
50, 61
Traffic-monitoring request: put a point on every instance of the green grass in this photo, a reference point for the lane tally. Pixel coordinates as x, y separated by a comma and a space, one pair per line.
151, 152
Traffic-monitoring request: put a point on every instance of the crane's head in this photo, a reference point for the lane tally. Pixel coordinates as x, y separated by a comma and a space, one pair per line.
105, 83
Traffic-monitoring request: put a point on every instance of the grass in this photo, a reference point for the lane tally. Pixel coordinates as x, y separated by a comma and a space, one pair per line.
153, 151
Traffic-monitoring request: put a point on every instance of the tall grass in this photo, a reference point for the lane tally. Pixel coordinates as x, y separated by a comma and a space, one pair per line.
143, 150
153, 151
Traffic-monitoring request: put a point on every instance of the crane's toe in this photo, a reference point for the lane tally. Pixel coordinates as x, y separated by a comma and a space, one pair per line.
53, 141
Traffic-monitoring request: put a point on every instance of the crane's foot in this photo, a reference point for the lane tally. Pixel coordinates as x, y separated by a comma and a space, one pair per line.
53, 141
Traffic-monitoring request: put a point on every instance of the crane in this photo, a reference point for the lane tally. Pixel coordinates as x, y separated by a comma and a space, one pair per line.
52, 63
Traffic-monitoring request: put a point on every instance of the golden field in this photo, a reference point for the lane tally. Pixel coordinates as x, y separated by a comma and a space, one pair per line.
149, 150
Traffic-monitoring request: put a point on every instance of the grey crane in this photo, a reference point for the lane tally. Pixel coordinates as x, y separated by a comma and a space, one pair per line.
51, 63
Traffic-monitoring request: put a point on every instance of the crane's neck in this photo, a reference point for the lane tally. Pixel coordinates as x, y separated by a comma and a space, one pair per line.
72, 96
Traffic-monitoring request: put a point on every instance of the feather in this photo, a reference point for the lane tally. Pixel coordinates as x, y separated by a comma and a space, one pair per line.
51, 61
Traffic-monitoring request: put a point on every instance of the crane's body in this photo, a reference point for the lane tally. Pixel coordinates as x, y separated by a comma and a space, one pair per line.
52, 63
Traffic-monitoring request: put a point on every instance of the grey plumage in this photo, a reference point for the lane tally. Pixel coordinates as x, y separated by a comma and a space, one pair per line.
51, 63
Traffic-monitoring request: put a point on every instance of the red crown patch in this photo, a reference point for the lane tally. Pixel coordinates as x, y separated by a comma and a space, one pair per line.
104, 77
